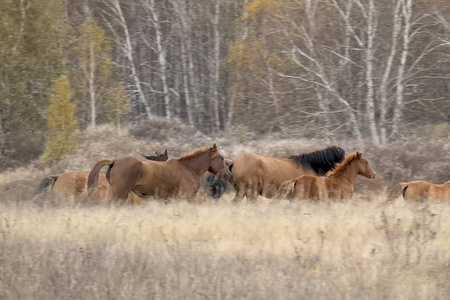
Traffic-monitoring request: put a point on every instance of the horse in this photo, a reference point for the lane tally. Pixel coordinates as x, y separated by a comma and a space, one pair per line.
255, 175
173, 178
74, 184
420, 191
337, 185
216, 187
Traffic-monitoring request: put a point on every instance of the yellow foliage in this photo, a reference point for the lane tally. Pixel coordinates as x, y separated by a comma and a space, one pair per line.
244, 56
93, 37
257, 7
61, 122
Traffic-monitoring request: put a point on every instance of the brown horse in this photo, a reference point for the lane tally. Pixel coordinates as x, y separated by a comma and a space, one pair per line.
420, 191
175, 177
255, 175
74, 184
338, 184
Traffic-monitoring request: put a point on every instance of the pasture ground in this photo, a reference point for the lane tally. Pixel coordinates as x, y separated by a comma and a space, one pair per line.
216, 250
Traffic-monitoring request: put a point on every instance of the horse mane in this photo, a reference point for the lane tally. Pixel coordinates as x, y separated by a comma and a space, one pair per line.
340, 167
200, 151
321, 161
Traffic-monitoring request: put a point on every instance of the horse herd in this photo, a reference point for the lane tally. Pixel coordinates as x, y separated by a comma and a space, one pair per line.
319, 175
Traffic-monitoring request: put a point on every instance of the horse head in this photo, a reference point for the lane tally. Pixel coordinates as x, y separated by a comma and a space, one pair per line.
218, 166
364, 168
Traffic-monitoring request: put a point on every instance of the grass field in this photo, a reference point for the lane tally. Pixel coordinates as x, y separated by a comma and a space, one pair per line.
216, 250
357, 249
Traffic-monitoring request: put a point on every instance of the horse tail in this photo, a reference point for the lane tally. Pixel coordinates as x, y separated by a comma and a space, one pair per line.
46, 183
286, 190
397, 190
93, 175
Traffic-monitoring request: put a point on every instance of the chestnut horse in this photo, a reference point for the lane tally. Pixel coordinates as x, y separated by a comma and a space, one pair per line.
420, 191
175, 177
255, 175
338, 184
74, 183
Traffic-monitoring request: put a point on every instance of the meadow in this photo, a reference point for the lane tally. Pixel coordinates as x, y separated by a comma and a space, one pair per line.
206, 249
215, 250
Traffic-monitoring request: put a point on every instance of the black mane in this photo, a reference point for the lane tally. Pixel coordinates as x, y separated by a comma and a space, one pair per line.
157, 157
320, 161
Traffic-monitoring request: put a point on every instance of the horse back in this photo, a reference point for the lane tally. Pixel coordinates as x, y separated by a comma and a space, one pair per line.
253, 167
417, 190
72, 183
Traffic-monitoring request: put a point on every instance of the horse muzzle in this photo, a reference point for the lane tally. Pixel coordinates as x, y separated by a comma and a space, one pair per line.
374, 175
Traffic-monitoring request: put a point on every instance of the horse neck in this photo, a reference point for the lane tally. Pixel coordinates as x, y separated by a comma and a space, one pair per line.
349, 173
198, 164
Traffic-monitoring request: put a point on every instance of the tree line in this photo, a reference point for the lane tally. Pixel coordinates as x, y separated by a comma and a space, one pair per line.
363, 69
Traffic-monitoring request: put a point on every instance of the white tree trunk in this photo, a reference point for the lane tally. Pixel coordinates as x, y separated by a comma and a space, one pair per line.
181, 11
127, 49
370, 102
92, 84
398, 110
184, 62
233, 96
161, 57
216, 64
397, 24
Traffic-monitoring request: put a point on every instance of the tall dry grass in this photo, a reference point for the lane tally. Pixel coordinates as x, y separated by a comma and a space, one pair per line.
268, 250
357, 249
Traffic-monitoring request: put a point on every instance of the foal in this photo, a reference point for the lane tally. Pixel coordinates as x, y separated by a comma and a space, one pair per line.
338, 184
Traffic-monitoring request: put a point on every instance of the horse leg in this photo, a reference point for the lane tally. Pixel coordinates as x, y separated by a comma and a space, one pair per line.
253, 192
240, 193
253, 196
120, 193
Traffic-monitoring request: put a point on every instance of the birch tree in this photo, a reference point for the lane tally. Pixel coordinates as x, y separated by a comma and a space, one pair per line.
154, 19
398, 111
117, 24
92, 51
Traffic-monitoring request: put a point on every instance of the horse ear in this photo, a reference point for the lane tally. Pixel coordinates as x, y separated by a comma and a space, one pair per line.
156, 152
214, 146
358, 154
165, 153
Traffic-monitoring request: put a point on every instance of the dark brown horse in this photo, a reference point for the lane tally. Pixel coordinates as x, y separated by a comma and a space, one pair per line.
157, 157
216, 187
337, 185
420, 191
74, 184
175, 177
255, 175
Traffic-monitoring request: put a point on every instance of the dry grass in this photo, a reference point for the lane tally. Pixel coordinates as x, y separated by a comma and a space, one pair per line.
351, 250
215, 250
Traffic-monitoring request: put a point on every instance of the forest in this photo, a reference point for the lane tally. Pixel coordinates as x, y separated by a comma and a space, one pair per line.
375, 71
